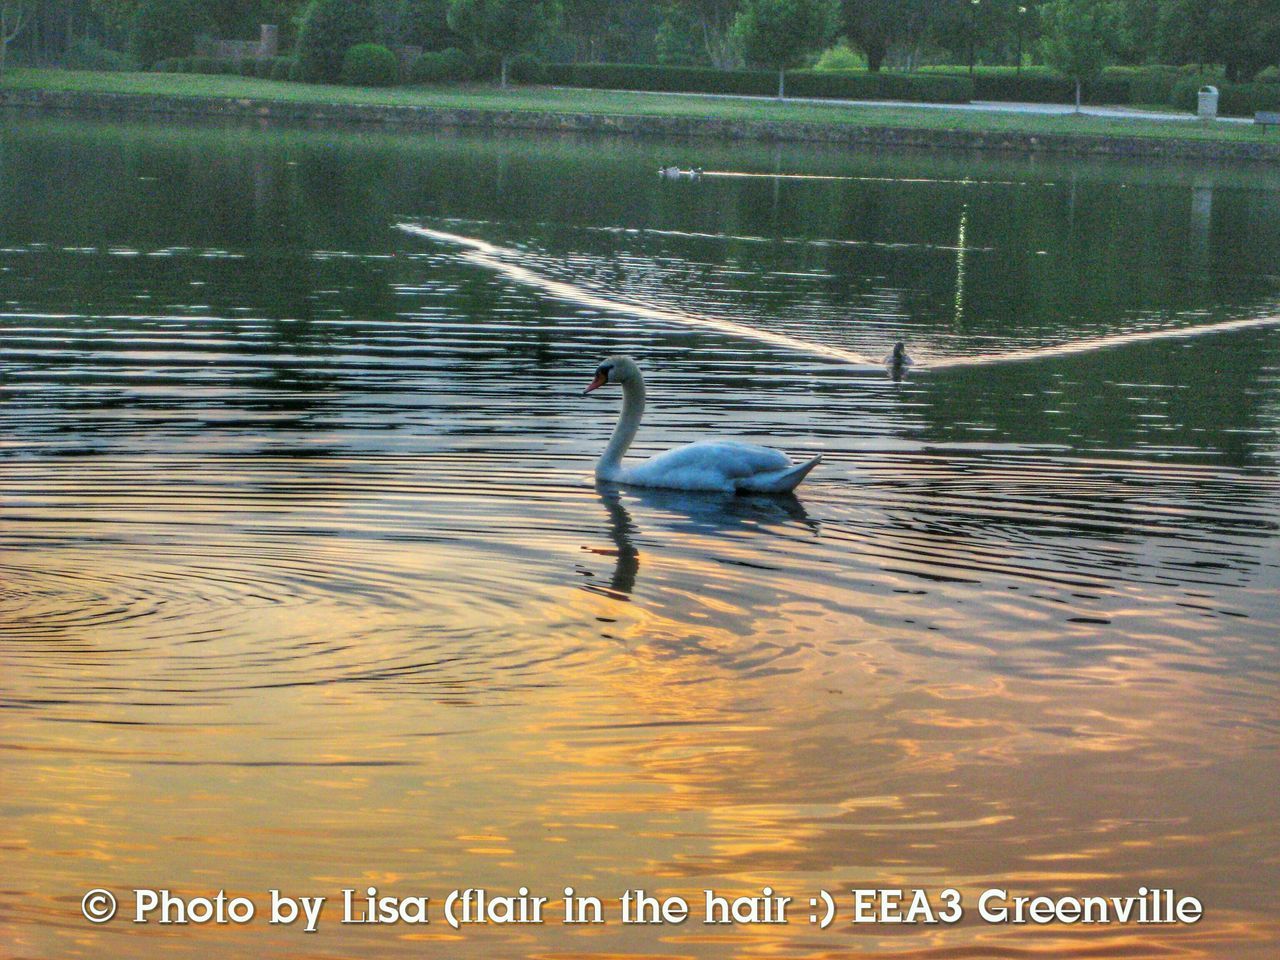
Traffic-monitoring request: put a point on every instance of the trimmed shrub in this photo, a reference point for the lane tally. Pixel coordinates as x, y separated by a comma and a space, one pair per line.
1234, 99
370, 65
841, 57
851, 85
526, 68
862, 85
1147, 85
623, 76
1038, 85
447, 66
172, 65
248, 67
213, 65
283, 68
88, 54
166, 28
331, 28
486, 65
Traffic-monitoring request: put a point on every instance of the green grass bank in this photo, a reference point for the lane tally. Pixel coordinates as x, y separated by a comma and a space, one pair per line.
193, 95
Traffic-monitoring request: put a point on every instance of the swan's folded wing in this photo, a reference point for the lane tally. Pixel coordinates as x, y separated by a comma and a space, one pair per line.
707, 465
778, 481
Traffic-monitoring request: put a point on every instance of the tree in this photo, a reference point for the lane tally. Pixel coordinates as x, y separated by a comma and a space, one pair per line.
14, 16
712, 21
166, 28
873, 26
1242, 35
329, 30
507, 27
588, 21
679, 39
426, 24
116, 15
778, 33
870, 26
1251, 40
1077, 37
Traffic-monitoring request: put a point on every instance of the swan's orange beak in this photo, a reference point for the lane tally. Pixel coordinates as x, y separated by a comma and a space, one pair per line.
600, 380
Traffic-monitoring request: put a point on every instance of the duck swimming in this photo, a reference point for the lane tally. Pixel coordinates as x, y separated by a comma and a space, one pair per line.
898, 361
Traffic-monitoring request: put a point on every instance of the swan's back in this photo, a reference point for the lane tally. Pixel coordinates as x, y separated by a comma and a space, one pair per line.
708, 465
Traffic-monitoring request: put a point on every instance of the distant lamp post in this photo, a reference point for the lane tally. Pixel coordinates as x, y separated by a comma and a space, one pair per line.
1022, 12
973, 33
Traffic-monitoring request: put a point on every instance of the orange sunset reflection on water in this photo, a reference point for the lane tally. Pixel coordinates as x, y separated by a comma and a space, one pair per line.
684, 733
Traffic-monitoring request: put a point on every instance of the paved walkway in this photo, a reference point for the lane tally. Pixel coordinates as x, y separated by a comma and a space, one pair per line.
977, 106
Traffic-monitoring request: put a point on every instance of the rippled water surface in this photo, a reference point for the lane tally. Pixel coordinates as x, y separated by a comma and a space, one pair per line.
305, 583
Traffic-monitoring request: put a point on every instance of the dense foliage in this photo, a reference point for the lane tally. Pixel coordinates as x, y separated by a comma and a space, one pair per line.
936, 88
780, 33
1078, 37
444, 66
506, 27
166, 28
330, 29
1136, 51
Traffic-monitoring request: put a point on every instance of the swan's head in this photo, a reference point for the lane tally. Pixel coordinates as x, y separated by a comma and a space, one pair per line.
613, 370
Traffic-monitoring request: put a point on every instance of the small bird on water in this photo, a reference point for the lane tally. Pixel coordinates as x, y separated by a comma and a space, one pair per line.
898, 361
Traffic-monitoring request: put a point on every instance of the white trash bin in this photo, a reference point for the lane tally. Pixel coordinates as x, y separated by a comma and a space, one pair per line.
1208, 103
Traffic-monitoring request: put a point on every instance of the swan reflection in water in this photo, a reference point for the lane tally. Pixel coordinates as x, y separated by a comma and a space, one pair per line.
679, 514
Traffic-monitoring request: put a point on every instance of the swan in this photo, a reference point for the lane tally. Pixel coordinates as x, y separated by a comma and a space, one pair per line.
723, 466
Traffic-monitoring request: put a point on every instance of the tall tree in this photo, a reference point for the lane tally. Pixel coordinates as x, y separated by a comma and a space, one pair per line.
712, 20
1252, 40
330, 29
778, 33
871, 26
116, 15
679, 40
14, 17
166, 28
425, 23
587, 21
1242, 35
506, 27
1078, 37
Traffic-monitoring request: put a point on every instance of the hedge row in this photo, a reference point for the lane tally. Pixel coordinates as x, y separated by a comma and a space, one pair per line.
270, 68
616, 76
935, 88
861, 85
443, 66
1042, 85
1234, 99
1118, 85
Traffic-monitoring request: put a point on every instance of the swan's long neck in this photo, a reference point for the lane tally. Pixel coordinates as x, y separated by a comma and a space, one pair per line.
610, 462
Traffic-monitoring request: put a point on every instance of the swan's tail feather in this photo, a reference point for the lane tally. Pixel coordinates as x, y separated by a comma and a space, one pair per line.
779, 481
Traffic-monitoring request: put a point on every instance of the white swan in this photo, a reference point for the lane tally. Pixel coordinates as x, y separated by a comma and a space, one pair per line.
723, 466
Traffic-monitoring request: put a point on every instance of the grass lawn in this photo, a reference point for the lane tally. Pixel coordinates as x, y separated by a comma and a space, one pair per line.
559, 100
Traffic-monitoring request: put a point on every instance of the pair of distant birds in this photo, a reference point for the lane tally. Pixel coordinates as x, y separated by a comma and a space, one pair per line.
719, 466
675, 173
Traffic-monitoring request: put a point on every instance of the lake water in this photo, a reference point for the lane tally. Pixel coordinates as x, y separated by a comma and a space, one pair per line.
305, 583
